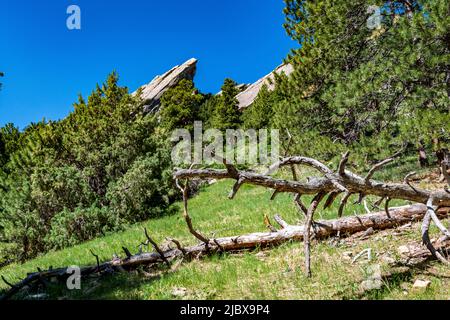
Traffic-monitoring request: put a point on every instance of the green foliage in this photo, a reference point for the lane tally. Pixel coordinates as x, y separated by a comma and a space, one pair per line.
207, 110
70, 227
20, 223
54, 189
353, 84
180, 106
9, 140
146, 183
226, 114
68, 181
259, 115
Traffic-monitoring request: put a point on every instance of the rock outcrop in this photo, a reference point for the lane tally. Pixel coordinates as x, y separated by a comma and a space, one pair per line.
248, 96
152, 92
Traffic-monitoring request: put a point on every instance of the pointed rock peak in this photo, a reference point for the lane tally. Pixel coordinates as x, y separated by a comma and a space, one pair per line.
153, 91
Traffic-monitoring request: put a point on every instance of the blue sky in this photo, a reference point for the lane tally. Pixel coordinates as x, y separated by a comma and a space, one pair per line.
46, 65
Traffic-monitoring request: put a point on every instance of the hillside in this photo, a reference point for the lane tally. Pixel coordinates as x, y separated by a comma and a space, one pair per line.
268, 274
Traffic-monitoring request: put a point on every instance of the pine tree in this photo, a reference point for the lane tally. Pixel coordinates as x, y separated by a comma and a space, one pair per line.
180, 106
353, 82
259, 114
9, 143
207, 110
227, 114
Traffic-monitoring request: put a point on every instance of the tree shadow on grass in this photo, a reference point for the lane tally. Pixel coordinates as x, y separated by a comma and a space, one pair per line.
107, 286
402, 273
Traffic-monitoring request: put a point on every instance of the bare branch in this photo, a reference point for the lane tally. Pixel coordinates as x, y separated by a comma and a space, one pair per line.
361, 197
236, 188
444, 168
438, 222
313, 163
351, 181
268, 224
366, 207
376, 167
299, 204
306, 235
330, 183
330, 199
8, 283
386, 207
178, 244
406, 180
155, 245
283, 224
273, 196
186, 216
338, 185
343, 163
127, 252
323, 229
425, 232
218, 245
377, 204
343, 204
231, 169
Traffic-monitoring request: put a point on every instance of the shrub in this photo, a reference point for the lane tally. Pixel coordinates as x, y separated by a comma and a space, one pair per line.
69, 228
145, 191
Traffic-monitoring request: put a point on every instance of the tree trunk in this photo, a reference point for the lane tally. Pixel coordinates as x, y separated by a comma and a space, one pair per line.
423, 160
321, 229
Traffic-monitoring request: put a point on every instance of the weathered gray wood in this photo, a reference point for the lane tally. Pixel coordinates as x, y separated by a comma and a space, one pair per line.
350, 181
322, 229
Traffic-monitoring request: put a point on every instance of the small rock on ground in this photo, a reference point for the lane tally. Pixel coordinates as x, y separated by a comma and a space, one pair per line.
179, 292
421, 284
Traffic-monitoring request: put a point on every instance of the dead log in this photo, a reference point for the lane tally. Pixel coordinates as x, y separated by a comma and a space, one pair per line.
352, 182
332, 183
323, 229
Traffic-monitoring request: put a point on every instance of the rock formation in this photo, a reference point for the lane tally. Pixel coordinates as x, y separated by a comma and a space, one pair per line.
246, 97
152, 92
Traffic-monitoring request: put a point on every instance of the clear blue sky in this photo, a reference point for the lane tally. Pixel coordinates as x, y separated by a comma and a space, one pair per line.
46, 65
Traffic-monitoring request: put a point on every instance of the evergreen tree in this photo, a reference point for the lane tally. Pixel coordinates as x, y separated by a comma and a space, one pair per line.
259, 114
180, 106
353, 82
227, 114
207, 110
9, 140
68, 181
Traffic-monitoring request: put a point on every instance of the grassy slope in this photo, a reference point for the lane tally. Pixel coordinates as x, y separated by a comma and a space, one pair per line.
273, 274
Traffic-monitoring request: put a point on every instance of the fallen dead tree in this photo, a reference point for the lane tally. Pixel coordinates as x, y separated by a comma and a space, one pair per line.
322, 229
329, 185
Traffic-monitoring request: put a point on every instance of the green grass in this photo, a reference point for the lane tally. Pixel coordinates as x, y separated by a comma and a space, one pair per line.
271, 274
